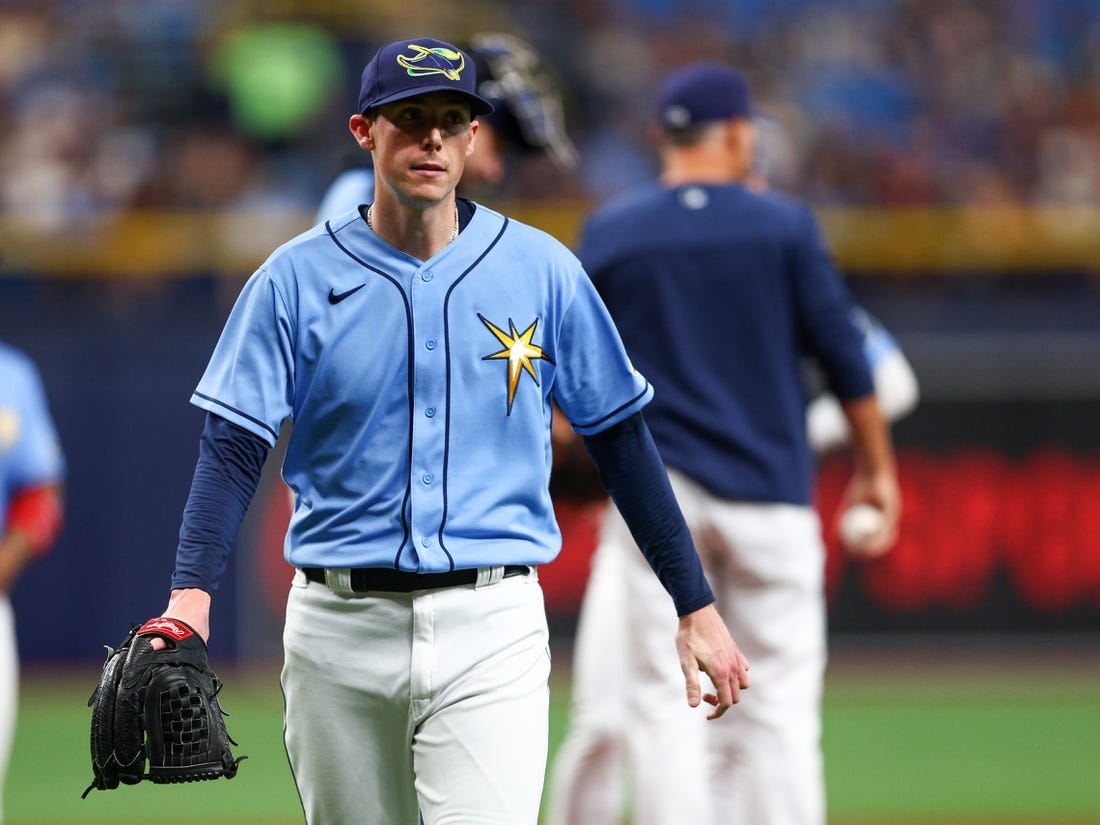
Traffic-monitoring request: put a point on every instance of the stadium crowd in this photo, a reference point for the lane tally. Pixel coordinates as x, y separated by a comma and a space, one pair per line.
226, 103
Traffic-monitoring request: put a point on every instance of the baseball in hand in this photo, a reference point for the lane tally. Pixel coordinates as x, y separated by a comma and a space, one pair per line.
859, 525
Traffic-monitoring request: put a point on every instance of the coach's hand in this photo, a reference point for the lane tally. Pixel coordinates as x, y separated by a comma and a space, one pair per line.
704, 643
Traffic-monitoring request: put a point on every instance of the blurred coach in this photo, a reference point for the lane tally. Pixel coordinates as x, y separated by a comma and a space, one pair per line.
720, 292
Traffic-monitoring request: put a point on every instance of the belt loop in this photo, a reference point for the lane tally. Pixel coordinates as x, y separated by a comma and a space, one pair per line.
488, 575
338, 580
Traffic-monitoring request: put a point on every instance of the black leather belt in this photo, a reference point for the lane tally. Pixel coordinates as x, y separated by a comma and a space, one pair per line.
382, 579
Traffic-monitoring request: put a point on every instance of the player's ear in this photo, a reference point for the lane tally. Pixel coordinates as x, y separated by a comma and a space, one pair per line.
741, 137
474, 125
360, 128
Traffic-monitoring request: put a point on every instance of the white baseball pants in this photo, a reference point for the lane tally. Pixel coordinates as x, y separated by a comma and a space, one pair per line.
761, 763
433, 703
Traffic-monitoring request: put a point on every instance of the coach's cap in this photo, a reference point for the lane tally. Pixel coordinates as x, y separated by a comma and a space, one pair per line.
416, 67
702, 92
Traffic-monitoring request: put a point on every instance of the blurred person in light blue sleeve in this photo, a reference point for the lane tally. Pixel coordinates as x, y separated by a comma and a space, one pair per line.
31, 471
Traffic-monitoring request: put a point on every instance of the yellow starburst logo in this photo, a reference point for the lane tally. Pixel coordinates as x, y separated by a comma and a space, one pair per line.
519, 352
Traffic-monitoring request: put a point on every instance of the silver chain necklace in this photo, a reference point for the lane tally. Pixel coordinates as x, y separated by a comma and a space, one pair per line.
454, 232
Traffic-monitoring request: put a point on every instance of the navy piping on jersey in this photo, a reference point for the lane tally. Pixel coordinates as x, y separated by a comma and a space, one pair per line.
406, 528
617, 410
447, 382
466, 210
234, 410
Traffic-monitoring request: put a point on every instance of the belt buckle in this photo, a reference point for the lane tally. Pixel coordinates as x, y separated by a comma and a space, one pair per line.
338, 580
487, 576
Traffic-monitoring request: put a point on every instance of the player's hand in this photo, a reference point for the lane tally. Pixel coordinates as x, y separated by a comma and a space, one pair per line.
190, 605
704, 643
881, 491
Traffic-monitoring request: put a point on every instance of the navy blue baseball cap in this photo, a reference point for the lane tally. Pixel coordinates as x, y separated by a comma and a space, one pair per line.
416, 67
702, 92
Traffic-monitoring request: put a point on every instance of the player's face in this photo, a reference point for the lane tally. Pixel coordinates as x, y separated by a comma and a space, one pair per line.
420, 145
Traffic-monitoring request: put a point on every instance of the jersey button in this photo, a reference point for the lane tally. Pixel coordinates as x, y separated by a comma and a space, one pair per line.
425, 542
427, 478
430, 343
426, 276
430, 412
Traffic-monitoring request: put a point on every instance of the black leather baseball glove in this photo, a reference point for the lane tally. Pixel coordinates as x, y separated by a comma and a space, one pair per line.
161, 708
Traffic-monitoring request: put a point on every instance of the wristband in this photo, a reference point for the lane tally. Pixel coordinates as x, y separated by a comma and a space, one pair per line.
36, 513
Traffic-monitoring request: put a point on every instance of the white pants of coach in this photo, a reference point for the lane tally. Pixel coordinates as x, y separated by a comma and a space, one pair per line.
760, 764
431, 703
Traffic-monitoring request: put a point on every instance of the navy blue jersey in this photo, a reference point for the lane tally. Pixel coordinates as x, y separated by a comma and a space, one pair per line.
718, 293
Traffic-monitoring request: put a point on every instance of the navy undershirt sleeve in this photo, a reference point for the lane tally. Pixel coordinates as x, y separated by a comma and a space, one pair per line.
635, 477
226, 476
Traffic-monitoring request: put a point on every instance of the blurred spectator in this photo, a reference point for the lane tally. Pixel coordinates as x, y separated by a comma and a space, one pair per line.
277, 76
105, 106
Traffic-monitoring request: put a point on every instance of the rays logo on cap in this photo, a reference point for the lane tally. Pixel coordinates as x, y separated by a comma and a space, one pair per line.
419, 66
447, 62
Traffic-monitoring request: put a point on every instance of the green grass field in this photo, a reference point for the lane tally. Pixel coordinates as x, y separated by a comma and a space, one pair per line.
1010, 737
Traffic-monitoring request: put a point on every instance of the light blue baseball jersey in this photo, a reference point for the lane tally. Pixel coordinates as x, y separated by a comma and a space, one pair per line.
420, 391
30, 454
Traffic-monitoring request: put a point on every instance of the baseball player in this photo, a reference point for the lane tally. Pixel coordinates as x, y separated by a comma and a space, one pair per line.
416, 342
527, 120
31, 472
718, 298
588, 772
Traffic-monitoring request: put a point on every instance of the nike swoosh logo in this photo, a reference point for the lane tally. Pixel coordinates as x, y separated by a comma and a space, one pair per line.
333, 298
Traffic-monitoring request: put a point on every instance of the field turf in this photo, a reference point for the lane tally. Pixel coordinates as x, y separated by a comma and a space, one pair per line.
986, 736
